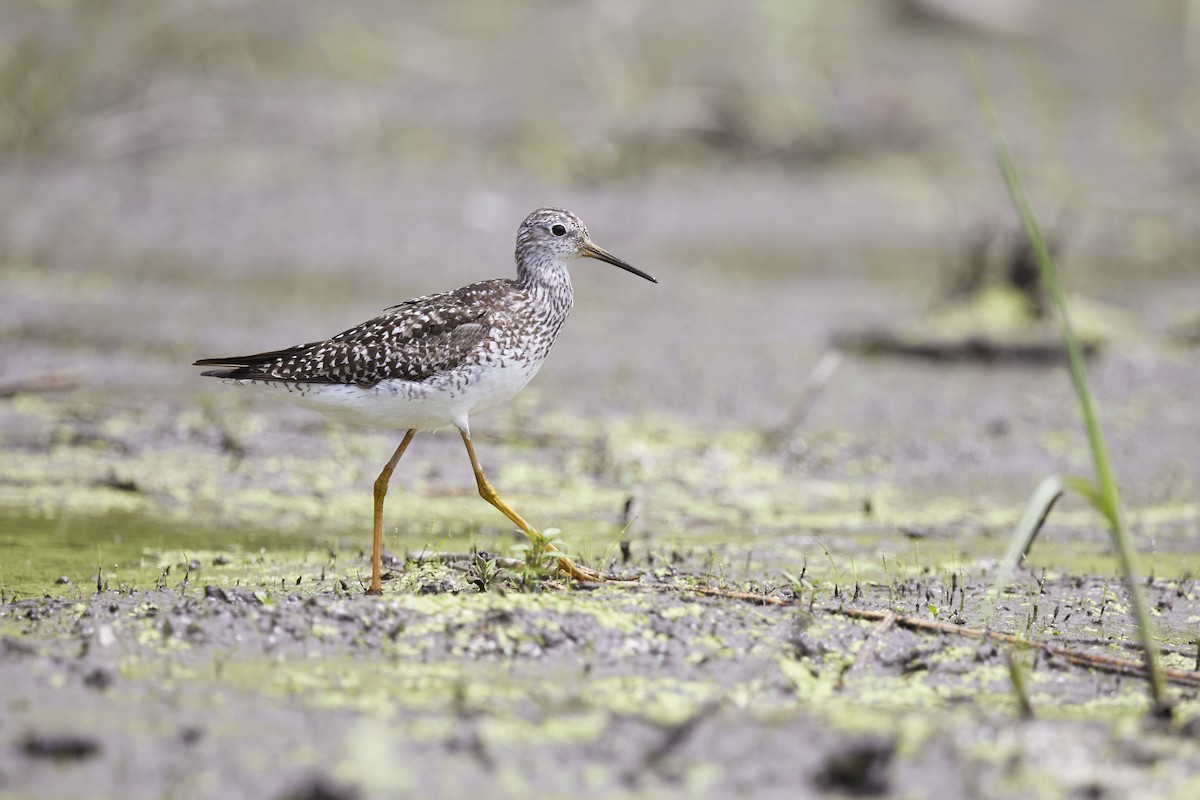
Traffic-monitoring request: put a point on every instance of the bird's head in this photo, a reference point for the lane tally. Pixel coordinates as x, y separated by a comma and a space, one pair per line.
559, 234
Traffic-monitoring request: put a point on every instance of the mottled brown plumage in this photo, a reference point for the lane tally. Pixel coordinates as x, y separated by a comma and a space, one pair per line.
416, 340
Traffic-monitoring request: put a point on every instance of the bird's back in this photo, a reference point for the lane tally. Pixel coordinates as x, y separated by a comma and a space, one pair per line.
417, 341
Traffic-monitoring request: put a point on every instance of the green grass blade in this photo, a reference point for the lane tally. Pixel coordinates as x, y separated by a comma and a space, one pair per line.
1026, 530
1107, 497
1088, 490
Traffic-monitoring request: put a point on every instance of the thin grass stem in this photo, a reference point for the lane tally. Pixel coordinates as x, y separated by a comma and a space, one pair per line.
1106, 496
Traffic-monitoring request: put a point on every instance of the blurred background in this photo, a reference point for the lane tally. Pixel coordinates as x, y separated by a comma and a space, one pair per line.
189, 179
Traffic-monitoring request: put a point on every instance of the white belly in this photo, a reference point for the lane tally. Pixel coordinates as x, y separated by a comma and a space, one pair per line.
402, 405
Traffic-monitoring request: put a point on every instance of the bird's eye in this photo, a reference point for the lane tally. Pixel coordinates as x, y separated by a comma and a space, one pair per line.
558, 230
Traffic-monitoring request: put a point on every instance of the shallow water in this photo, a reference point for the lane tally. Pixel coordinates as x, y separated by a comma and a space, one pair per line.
121, 550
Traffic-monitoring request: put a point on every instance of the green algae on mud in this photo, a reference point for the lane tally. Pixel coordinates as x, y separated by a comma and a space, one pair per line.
524, 670
168, 475
567, 666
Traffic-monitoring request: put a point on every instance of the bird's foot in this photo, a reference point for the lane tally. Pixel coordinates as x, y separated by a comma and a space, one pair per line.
582, 573
544, 548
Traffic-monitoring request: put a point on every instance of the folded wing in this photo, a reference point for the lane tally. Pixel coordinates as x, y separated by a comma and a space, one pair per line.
412, 341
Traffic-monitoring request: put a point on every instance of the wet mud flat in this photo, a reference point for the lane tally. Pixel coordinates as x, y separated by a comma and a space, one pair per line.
180, 567
450, 684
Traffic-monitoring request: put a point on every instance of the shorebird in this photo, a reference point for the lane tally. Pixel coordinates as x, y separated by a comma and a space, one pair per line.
434, 361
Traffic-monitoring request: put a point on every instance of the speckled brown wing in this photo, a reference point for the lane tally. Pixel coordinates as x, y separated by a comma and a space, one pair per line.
411, 341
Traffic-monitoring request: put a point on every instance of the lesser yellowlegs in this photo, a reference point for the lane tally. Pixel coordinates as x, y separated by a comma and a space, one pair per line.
434, 361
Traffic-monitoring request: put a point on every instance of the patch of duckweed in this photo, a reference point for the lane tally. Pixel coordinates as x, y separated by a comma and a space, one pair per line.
681, 611
815, 680
568, 728
661, 699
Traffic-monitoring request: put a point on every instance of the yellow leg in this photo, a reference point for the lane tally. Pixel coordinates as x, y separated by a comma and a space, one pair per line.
489, 493
381, 487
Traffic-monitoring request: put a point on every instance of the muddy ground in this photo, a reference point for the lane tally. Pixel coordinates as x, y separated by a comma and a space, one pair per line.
181, 566
437, 688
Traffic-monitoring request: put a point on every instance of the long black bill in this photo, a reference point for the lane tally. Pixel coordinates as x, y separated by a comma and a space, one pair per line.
599, 253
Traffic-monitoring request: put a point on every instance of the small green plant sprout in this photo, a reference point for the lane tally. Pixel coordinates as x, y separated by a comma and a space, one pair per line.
483, 572
1102, 492
891, 585
798, 583
837, 578
541, 553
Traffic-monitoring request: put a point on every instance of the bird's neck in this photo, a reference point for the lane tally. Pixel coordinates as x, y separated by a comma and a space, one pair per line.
548, 283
